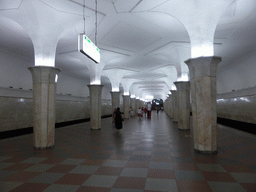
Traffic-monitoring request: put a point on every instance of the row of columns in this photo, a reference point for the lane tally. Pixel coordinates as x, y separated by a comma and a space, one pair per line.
202, 89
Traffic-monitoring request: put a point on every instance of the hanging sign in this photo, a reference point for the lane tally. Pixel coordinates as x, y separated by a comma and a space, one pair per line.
88, 48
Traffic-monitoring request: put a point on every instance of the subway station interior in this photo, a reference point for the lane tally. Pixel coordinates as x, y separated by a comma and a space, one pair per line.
66, 64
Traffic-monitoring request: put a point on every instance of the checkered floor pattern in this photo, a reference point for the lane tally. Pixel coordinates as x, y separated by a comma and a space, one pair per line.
147, 155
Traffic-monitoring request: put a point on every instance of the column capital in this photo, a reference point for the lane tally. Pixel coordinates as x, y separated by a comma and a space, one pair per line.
44, 74
203, 66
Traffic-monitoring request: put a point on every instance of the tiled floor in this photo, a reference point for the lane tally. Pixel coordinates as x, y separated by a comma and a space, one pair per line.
148, 155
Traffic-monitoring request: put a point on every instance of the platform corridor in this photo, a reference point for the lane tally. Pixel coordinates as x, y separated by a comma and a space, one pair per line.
147, 155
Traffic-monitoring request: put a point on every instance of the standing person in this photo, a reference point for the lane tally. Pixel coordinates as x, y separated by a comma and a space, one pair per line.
149, 110
145, 111
139, 113
142, 109
131, 112
118, 119
113, 119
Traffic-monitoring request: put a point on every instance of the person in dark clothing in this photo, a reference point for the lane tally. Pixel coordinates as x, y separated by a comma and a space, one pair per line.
118, 119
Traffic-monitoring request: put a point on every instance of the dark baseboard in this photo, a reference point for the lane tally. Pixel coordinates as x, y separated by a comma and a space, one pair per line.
28, 130
242, 126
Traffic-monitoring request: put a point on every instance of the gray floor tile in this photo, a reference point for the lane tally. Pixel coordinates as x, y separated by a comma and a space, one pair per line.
211, 167
4, 174
183, 159
115, 163
244, 177
34, 160
161, 165
140, 158
4, 165
100, 181
39, 167
62, 188
161, 185
2, 158
72, 161
189, 175
48, 178
7, 186
134, 172
225, 187
84, 169
100, 156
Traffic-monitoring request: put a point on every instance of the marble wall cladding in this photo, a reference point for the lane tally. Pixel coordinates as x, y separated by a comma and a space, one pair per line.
17, 113
238, 105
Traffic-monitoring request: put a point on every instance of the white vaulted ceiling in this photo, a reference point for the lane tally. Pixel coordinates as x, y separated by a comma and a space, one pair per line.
145, 36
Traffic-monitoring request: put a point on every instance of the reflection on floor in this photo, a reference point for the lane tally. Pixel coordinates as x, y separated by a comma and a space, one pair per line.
147, 155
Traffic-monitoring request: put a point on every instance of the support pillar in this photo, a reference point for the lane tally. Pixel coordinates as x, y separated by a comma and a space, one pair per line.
170, 106
137, 105
184, 104
133, 105
115, 96
95, 106
175, 106
203, 94
126, 102
44, 99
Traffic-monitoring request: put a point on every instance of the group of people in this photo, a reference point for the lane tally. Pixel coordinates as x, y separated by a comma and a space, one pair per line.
141, 111
117, 116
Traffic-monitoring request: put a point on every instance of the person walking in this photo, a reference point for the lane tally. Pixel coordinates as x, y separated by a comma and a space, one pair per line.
118, 119
139, 113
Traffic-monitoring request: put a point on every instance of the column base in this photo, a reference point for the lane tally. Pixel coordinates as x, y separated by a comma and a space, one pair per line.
184, 129
46, 147
95, 128
206, 152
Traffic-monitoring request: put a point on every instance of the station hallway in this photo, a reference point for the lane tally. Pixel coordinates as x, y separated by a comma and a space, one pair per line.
147, 155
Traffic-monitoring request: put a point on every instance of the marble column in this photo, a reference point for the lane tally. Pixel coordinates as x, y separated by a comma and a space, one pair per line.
203, 95
44, 99
95, 106
183, 89
133, 105
115, 96
170, 106
126, 102
137, 105
166, 106
175, 106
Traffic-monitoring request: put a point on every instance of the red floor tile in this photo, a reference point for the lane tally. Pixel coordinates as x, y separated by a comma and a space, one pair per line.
61, 168
164, 174
185, 166
128, 182
93, 189
18, 167
249, 187
237, 168
22, 176
218, 176
205, 160
15, 159
30, 187
193, 186
73, 179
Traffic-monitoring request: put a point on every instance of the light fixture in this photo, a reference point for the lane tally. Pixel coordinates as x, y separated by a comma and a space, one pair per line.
85, 45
